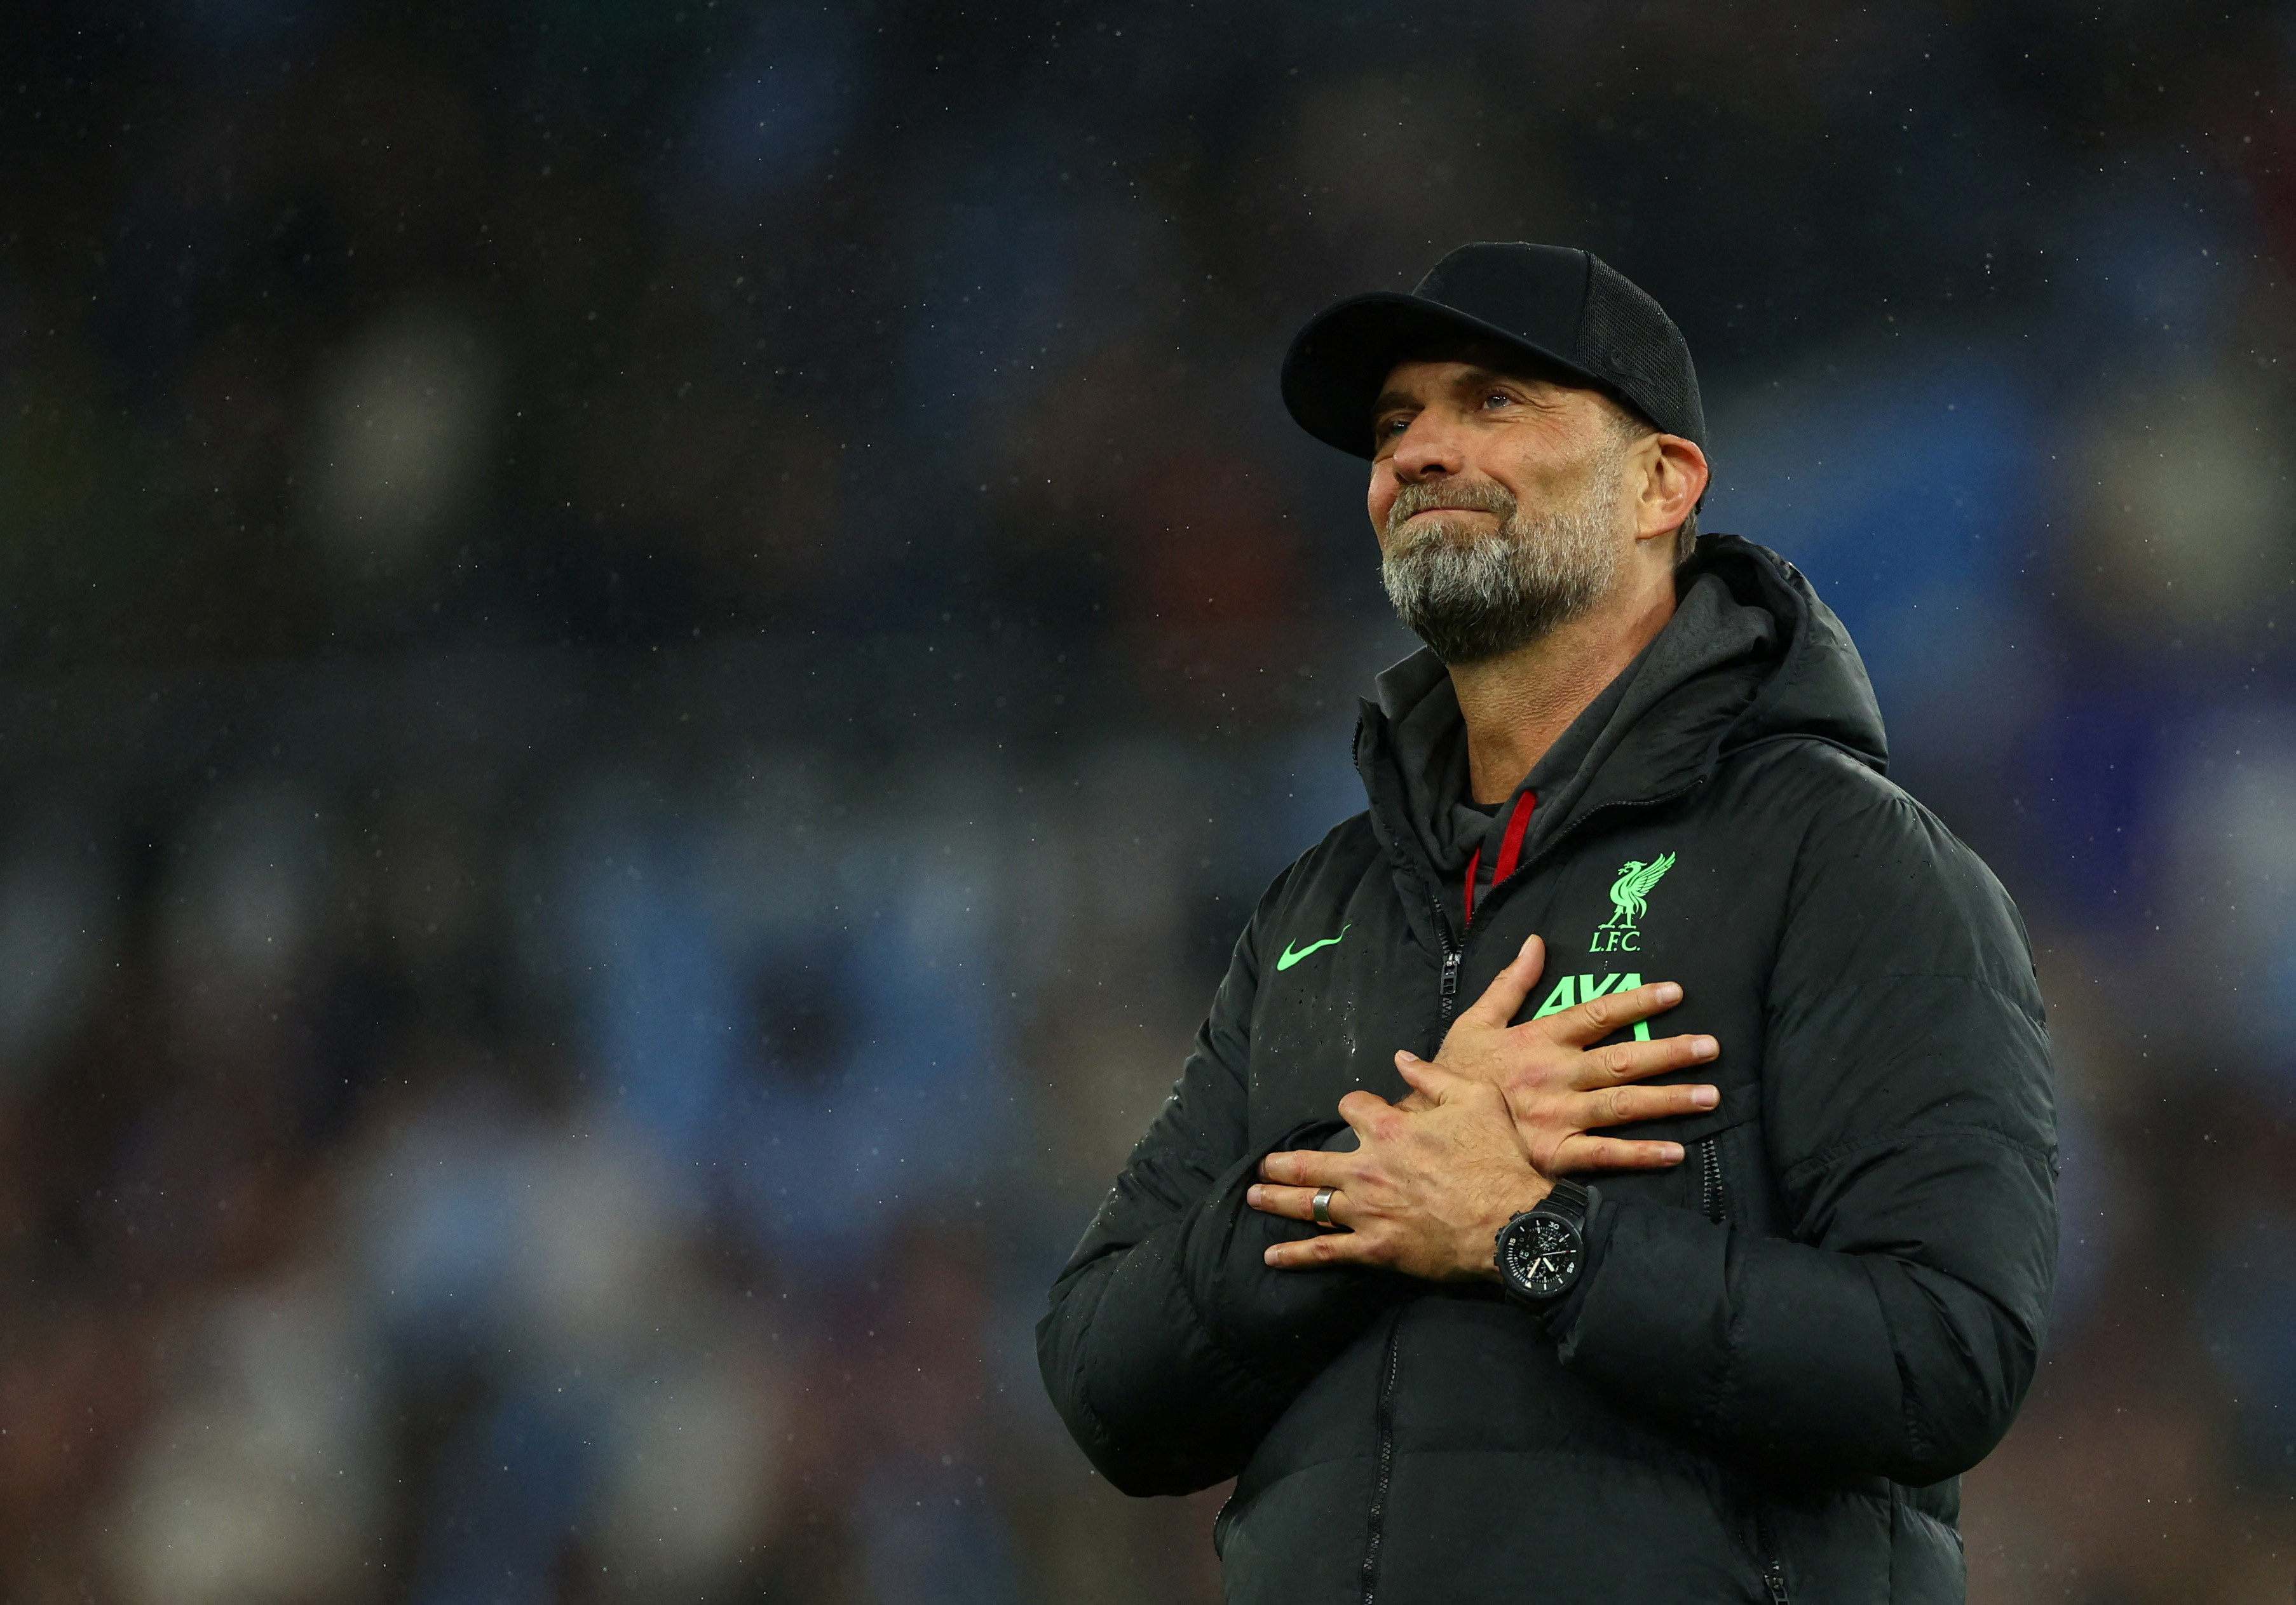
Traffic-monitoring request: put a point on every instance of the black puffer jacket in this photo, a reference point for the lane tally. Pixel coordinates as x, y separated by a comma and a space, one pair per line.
1781, 1354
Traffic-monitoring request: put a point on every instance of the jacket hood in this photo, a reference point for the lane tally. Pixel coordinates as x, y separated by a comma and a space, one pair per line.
1819, 686
1751, 655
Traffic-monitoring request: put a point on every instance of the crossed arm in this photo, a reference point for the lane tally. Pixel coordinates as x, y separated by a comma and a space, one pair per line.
1501, 1111
1907, 1098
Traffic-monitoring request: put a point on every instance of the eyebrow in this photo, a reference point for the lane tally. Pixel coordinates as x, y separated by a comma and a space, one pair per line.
1390, 400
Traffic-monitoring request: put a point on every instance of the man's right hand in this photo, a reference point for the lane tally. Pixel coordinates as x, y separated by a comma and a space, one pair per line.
1558, 1088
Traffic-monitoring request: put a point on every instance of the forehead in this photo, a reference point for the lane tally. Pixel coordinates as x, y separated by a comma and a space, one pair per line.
1443, 370
1420, 378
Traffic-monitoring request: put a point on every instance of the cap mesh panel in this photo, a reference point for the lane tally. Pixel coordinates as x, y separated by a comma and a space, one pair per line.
1628, 337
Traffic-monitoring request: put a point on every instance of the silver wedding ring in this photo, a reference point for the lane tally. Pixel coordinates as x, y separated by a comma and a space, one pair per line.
1324, 1204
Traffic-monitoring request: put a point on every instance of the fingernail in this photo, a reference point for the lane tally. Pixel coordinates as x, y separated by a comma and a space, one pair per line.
1268, 1256
1673, 1152
1704, 1097
1704, 1047
1668, 993
1405, 1056
1251, 1197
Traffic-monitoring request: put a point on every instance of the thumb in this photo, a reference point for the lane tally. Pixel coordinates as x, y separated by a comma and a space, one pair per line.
1426, 1078
1503, 998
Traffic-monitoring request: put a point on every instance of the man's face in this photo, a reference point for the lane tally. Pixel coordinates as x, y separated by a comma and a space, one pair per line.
1499, 502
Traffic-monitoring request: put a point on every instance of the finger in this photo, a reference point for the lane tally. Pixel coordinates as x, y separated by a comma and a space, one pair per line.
1294, 1203
1598, 1017
1327, 1248
1637, 1060
1503, 998
1584, 1153
1622, 1105
1430, 1083
1309, 1168
1369, 1114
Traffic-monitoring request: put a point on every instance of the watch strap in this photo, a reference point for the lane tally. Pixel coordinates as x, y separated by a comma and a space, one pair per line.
1568, 1200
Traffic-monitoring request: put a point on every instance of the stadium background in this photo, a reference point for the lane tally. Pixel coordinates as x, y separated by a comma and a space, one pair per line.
647, 655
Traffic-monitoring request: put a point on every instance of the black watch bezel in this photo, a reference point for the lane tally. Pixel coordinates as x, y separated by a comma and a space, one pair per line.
1540, 1252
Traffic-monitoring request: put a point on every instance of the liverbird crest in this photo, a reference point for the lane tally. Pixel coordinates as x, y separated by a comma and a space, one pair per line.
1631, 892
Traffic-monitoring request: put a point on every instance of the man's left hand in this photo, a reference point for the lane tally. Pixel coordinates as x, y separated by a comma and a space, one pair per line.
1425, 1194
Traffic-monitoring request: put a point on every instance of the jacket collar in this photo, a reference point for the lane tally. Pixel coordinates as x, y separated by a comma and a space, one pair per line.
1751, 654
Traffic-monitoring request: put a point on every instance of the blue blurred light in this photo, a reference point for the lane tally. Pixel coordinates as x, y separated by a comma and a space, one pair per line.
2247, 1316
934, 1540
2152, 271
228, 27
667, 1000
995, 267
911, 1117
898, 1105
1908, 491
771, 122
1887, 484
513, 1485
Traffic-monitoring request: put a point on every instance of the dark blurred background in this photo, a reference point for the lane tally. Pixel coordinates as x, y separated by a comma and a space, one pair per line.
649, 651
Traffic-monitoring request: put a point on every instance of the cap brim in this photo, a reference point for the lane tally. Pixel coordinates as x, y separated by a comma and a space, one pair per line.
1337, 364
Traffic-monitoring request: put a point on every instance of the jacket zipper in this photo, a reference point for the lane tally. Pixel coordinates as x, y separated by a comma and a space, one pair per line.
1774, 1571
1523, 870
1455, 954
1711, 1198
1714, 1203
1384, 1466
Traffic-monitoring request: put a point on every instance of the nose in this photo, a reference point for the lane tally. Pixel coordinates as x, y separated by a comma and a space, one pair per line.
1427, 451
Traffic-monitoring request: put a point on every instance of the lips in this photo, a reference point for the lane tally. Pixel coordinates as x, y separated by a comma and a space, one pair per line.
1409, 496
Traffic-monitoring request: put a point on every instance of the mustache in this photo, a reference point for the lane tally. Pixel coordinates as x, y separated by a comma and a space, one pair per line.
1480, 496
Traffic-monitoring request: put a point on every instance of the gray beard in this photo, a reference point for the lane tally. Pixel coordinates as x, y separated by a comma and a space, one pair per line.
1474, 596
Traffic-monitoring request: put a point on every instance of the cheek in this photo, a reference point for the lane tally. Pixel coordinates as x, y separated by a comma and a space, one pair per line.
1381, 497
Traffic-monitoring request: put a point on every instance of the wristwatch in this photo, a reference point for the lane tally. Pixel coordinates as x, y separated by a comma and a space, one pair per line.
1539, 1251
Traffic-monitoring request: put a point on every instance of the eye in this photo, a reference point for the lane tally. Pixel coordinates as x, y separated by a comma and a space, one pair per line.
1497, 398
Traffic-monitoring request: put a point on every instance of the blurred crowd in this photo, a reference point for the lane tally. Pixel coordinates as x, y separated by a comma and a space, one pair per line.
648, 654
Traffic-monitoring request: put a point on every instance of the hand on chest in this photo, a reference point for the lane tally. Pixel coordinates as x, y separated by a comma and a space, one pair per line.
1630, 908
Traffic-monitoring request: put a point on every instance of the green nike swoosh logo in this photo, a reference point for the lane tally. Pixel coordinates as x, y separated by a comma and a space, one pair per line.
1291, 958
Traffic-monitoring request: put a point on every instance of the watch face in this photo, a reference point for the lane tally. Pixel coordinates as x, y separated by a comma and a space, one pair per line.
1541, 1256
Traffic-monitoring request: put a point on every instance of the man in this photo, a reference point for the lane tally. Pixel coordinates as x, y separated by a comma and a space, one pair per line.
1456, 1335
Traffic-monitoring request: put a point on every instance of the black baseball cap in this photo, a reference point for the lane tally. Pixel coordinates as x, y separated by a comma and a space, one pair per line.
1562, 307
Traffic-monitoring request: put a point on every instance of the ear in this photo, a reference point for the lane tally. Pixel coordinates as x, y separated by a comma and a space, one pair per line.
1674, 477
